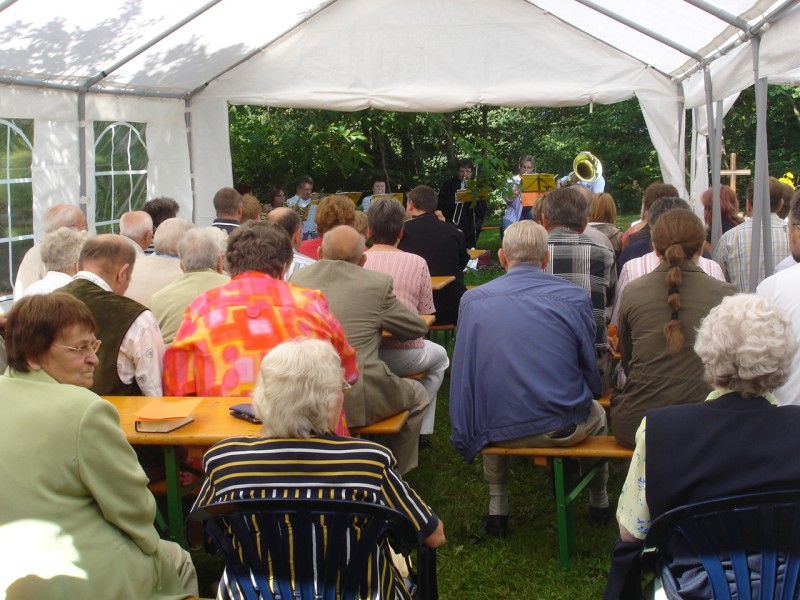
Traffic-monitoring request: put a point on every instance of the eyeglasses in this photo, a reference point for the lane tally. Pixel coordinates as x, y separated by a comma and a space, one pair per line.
90, 348
345, 386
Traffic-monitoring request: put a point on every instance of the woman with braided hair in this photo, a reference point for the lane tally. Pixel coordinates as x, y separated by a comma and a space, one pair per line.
658, 316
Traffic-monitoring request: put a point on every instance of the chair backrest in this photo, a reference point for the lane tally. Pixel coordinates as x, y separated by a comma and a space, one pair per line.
747, 544
304, 548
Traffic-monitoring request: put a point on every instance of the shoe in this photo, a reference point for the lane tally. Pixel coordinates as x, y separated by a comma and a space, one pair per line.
600, 516
425, 442
497, 525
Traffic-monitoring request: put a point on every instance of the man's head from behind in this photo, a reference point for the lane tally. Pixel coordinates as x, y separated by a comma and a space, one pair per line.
422, 199
776, 192
258, 246
386, 217
524, 242
343, 243
111, 257
654, 191
290, 221
662, 205
169, 234
137, 226
201, 249
565, 207
161, 209
64, 215
228, 204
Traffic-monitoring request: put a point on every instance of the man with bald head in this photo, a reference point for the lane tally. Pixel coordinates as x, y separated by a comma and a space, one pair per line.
291, 222
137, 226
32, 268
132, 352
365, 305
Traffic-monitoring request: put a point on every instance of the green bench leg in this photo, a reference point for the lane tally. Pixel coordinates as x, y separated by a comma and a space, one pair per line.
565, 517
174, 495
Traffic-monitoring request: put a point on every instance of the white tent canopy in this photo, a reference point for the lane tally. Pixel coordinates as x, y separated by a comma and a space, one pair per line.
176, 65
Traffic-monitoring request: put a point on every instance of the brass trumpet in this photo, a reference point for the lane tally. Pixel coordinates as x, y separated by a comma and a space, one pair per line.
586, 167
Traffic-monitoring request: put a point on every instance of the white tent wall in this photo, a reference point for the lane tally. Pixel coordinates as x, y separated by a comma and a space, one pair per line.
167, 146
54, 165
55, 168
211, 154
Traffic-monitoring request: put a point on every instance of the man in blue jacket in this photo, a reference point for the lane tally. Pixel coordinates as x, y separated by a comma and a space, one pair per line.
524, 370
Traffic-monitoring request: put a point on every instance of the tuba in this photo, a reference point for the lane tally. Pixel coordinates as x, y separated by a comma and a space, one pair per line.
586, 167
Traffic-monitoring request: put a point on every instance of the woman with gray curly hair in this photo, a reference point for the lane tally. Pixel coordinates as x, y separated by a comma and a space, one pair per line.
298, 397
736, 442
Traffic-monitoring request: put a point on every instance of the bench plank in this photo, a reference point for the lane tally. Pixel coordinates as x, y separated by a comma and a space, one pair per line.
387, 426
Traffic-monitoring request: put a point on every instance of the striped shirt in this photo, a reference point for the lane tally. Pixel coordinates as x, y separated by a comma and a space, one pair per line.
636, 267
411, 282
320, 467
576, 258
733, 249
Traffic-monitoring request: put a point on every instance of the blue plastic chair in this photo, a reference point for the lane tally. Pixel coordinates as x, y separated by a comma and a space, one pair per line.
255, 536
748, 545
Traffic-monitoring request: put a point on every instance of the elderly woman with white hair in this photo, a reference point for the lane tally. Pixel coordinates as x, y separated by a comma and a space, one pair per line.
299, 397
747, 443
60, 252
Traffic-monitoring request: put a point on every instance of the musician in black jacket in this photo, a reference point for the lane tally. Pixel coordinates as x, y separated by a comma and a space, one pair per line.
467, 218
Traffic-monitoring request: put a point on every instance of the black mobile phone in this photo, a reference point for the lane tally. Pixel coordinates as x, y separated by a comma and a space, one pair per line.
245, 413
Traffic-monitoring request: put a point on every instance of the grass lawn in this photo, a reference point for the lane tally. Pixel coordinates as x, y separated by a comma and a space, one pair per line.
525, 565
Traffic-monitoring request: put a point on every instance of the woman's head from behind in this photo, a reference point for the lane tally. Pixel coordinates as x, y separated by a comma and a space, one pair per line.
728, 204
678, 235
299, 389
602, 209
746, 344
53, 333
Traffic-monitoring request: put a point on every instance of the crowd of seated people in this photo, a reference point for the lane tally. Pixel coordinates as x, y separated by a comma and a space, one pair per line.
198, 315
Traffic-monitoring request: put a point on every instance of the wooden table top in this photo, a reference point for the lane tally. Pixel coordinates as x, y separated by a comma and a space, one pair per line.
439, 281
429, 319
212, 422
477, 253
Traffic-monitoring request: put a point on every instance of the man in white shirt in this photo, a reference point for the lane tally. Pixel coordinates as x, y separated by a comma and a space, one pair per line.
132, 354
783, 289
290, 221
137, 226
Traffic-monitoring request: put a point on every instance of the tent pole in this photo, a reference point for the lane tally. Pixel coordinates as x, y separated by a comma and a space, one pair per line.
147, 45
721, 14
5, 4
82, 175
187, 115
643, 30
762, 230
713, 141
40, 84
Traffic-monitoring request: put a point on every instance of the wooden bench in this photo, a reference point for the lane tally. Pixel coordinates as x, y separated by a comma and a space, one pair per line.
602, 447
387, 426
447, 332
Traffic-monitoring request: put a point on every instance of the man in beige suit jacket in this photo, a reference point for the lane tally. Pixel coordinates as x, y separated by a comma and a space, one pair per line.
365, 304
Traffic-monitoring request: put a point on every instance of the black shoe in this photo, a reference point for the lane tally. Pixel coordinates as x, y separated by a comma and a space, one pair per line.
497, 525
600, 516
425, 442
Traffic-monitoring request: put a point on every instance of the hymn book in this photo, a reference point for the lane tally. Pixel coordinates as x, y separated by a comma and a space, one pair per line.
162, 417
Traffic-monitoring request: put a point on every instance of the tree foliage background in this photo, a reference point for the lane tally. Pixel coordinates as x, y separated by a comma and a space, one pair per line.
342, 151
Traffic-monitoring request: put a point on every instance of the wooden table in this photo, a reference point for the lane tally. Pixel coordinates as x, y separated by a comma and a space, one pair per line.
429, 319
476, 253
212, 423
439, 281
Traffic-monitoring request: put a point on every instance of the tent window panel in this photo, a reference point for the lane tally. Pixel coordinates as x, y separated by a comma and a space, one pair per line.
16, 198
120, 171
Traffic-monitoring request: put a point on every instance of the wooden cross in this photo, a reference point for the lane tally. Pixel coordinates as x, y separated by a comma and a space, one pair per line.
733, 171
